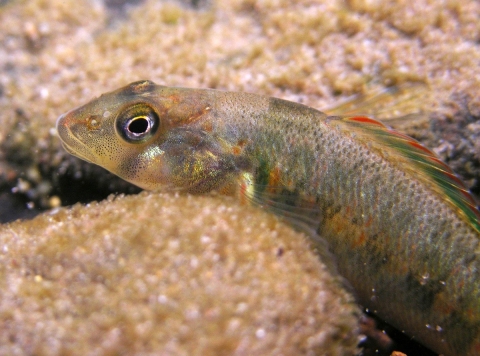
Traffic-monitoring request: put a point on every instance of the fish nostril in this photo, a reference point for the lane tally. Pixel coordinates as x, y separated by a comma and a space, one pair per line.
93, 122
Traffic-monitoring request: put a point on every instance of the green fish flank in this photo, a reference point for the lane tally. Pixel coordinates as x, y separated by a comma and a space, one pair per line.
402, 228
441, 176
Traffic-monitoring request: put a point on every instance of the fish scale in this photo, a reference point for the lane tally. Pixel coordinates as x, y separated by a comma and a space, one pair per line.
403, 229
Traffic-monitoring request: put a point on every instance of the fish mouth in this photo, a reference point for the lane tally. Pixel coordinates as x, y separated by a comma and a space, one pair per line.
71, 143
85, 155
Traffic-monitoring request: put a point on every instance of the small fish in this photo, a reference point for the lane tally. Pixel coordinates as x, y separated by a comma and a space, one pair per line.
404, 230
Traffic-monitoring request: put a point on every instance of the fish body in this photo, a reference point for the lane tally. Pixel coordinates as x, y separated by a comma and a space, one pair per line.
404, 231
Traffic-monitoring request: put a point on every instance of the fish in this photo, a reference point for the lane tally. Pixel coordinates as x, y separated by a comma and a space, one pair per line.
403, 228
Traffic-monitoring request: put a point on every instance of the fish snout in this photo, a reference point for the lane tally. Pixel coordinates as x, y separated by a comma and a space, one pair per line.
65, 122
61, 126
69, 130
60, 121
68, 119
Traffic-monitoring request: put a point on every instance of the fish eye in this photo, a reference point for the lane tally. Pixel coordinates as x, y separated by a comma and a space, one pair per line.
139, 125
137, 122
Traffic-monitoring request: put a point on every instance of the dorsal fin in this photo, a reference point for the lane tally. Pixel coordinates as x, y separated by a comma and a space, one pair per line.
388, 103
416, 158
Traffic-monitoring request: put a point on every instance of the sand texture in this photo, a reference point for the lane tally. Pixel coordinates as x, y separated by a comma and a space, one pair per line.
167, 275
111, 275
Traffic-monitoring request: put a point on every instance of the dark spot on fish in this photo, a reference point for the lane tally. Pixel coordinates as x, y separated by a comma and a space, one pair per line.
332, 210
422, 291
263, 173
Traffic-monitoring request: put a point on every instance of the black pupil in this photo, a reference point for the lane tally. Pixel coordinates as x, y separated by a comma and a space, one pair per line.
138, 126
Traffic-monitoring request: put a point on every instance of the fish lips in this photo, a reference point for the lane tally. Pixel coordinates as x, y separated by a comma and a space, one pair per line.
70, 142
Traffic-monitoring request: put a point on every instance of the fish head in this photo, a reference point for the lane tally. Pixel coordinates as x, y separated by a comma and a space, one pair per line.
156, 137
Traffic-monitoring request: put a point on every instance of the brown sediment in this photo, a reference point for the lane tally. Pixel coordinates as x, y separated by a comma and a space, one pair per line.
166, 274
